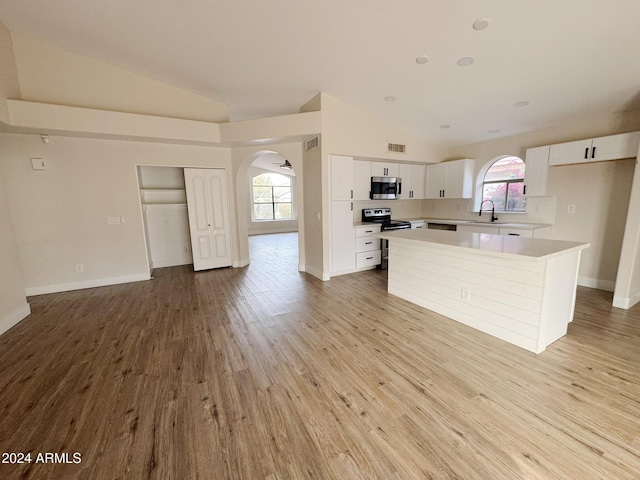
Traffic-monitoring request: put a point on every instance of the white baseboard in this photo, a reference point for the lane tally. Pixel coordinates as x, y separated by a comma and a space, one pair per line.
315, 272
14, 317
171, 262
606, 285
626, 302
272, 230
243, 262
98, 282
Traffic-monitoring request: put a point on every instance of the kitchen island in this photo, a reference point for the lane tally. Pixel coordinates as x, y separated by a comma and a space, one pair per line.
521, 290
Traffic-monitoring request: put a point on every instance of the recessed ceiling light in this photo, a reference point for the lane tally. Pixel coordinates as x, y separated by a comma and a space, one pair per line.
422, 59
493, 131
445, 126
522, 103
390, 98
481, 23
465, 61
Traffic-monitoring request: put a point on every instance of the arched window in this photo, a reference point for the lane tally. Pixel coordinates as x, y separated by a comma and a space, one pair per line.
272, 197
504, 185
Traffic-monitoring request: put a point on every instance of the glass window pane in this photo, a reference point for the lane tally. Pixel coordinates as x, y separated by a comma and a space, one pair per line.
282, 194
495, 192
262, 195
283, 210
516, 199
509, 168
263, 211
278, 180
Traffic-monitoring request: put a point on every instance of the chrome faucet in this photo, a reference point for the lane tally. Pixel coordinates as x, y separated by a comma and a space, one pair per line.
494, 217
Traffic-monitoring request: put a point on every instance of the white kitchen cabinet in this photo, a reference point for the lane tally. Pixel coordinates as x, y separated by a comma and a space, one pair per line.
343, 245
452, 179
478, 229
361, 179
413, 179
536, 171
341, 175
517, 232
208, 210
612, 147
368, 252
383, 169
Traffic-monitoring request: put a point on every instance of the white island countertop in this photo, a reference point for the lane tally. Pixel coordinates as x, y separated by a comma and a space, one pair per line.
531, 249
480, 223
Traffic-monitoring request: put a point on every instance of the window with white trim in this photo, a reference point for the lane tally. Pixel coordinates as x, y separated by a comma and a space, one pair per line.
272, 197
503, 184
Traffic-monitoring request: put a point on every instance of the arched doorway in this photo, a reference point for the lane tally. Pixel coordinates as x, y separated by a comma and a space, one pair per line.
283, 163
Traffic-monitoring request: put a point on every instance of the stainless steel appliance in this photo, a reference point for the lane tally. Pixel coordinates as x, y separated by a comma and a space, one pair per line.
383, 217
386, 188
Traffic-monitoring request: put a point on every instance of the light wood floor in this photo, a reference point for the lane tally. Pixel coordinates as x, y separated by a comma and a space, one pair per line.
267, 373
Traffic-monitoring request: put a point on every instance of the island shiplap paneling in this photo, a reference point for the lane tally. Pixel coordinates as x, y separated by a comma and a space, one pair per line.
435, 279
526, 296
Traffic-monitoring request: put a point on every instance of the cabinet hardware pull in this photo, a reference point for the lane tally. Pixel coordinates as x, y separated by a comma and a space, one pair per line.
586, 153
524, 190
368, 243
351, 193
593, 152
352, 206
369, 258
368, 231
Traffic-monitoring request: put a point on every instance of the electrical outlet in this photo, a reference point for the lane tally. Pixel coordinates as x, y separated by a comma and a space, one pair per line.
571, 208
465, 294
186, 248
79, 268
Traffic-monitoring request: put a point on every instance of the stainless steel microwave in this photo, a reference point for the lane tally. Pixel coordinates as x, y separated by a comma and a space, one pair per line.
386, 188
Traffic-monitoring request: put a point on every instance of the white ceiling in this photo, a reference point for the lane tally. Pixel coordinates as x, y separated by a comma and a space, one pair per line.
568, 58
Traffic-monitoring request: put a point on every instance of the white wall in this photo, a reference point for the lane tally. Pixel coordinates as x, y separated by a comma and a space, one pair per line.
60, 215
13, 304
50, 74
9, 87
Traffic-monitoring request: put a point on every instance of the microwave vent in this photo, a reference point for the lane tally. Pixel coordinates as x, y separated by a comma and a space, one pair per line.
397, 147
312, 143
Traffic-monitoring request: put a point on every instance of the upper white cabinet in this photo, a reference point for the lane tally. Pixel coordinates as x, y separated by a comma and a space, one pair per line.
413, 180
536, 170
361, 179
382, 169
612, 147
341, 177
452, 179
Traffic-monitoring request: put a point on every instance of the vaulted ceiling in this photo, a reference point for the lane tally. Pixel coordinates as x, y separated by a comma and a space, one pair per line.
530, 64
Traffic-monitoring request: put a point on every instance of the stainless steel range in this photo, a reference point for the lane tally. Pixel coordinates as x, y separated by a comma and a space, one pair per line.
383, 217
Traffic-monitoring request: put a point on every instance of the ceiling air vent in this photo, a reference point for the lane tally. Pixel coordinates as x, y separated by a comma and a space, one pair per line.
396, 147
311, 143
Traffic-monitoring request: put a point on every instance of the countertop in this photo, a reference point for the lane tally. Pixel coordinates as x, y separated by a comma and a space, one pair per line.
498, 224
530, 249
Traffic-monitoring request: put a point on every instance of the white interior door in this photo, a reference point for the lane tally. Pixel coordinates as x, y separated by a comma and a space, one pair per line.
208, 208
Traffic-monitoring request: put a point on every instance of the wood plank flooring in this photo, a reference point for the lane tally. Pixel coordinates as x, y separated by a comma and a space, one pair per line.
267, 373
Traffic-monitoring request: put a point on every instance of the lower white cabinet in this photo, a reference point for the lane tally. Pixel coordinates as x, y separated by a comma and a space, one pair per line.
343, 247
367, 247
